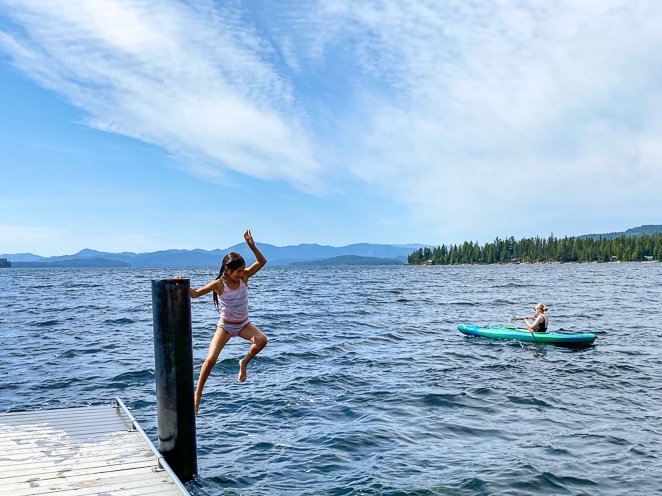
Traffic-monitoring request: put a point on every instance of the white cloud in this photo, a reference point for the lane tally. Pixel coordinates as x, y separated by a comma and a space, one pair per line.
503, 114
498, 117
189, 78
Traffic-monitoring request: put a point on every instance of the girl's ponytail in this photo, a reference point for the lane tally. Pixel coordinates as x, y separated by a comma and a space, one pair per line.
220, 274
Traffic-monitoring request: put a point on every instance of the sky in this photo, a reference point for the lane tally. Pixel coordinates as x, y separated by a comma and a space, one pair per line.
138, 126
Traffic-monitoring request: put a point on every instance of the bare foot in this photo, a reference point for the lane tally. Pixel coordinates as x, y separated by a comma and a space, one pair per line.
242, 372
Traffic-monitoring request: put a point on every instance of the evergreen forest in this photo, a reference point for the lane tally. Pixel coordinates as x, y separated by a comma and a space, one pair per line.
551, 249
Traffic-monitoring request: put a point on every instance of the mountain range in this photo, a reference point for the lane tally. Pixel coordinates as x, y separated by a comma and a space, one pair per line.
276, 255
634, 231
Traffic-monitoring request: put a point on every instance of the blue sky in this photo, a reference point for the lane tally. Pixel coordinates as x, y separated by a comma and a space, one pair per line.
138, 126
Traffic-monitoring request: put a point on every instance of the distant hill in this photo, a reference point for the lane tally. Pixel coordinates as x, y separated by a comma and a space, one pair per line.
634, 231
75, 262
210, 258
22, 257
354, 260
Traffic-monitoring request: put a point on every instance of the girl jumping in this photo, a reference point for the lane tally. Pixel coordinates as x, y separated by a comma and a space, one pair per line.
231, 299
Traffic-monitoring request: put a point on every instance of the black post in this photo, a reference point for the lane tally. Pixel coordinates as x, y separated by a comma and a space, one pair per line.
173, 356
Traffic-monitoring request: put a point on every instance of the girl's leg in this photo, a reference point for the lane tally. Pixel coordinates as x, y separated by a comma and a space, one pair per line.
258, 340
220, 339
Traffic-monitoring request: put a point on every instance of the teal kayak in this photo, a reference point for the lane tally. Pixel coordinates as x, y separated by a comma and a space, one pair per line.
574, 340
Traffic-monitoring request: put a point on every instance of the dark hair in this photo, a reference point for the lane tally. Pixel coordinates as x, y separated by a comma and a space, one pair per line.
231, 261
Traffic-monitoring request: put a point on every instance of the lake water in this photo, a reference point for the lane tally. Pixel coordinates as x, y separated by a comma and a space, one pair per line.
366, 386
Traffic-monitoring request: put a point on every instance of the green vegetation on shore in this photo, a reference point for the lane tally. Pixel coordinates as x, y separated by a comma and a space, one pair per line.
552, 249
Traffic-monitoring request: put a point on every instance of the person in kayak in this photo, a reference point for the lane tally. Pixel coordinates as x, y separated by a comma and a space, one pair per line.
540, 321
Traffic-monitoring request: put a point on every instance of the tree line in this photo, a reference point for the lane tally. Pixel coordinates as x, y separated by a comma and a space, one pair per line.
551, 249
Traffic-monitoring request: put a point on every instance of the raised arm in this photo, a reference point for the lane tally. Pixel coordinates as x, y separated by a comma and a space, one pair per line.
214, 285
260, 261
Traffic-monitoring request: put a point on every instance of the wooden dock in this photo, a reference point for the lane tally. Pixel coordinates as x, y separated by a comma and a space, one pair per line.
88, 451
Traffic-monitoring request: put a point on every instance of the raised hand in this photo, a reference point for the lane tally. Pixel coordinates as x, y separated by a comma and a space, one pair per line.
249, 238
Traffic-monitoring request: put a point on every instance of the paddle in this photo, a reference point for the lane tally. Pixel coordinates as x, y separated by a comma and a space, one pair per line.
514, 318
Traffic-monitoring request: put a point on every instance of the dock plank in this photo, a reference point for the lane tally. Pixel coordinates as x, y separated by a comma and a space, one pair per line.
80, 451
60, 448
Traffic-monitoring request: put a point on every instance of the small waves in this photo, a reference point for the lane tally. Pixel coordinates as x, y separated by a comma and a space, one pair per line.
47, 323
511, 285
366, 386
128, 378
121, 321
549, 483
454, 401
73, 353
529, 400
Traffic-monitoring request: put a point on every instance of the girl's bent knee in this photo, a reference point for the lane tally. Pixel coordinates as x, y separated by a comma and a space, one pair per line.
261, 341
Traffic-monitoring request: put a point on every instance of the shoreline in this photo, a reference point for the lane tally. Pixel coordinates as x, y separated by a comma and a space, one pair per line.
541, 263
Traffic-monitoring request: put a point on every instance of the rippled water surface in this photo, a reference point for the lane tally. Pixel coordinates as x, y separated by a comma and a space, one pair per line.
366, 386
